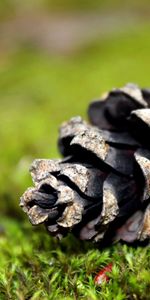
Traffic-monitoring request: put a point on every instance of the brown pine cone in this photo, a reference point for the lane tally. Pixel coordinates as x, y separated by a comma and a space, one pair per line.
100, 190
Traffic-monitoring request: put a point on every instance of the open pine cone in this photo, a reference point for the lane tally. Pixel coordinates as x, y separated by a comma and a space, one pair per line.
100, 190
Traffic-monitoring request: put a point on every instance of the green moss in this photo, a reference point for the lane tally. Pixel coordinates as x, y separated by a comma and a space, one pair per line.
36, 266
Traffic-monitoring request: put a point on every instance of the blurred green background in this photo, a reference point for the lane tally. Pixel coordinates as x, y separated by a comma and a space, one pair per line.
56, 56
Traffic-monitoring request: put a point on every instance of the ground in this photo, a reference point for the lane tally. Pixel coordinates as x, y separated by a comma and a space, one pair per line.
37, 93
35, 266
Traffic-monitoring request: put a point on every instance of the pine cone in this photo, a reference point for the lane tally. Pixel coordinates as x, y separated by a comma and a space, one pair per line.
100, 190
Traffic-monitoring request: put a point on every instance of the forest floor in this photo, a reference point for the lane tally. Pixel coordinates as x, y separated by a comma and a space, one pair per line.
38, 91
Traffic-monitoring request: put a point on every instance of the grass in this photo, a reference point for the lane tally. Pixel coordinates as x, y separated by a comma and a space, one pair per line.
37, 93
35, 266
41, 268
